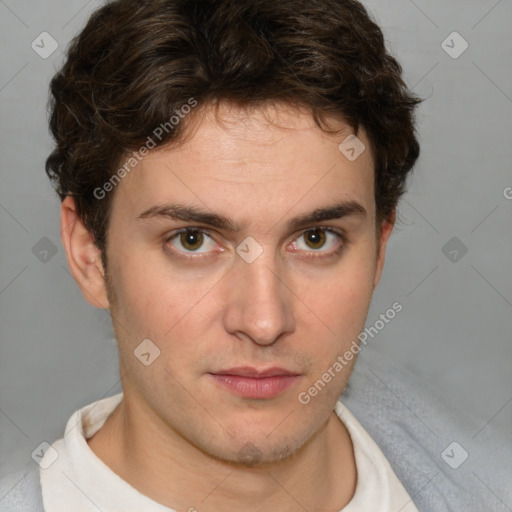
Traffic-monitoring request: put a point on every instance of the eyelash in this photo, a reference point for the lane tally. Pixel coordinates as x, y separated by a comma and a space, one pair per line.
313, 255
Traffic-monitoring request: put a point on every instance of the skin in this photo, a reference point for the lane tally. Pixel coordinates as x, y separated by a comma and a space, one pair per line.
178, 436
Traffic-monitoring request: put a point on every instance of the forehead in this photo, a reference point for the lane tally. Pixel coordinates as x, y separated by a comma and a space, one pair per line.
237, 162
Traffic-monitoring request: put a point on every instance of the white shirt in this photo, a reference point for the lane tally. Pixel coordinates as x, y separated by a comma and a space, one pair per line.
78, 480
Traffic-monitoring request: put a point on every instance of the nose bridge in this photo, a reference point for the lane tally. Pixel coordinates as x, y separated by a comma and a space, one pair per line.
260, 306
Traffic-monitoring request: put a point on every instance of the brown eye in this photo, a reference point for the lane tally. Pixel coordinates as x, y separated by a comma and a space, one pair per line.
320, 242
191, 240
315, 238
192, 243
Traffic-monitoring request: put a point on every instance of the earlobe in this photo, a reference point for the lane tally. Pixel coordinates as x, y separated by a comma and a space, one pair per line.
84, 258
385, 232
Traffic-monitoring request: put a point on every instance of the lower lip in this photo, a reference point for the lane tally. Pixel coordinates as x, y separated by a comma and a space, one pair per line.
261, 388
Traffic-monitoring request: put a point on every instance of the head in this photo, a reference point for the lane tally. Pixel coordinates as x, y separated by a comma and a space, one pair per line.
212, 202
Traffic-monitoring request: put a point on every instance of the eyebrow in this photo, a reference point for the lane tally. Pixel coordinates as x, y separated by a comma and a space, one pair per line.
175, 211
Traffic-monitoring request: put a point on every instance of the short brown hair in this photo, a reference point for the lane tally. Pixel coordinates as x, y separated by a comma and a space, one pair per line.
138, 61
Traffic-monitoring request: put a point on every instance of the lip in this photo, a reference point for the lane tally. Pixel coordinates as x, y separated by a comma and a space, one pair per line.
254, 383
249, 371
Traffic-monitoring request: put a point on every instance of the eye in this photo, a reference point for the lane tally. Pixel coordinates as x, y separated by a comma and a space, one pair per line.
318, 240
191, 240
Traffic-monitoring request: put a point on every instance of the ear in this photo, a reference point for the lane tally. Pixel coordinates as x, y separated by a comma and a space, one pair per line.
386, 228
84, 258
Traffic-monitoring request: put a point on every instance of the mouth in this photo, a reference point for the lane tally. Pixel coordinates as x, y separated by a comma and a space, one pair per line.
256, 384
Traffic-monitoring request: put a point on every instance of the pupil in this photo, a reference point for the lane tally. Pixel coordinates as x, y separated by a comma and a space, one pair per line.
315, 238
192, 240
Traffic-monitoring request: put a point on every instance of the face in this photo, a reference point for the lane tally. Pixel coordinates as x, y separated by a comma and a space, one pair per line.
248, 255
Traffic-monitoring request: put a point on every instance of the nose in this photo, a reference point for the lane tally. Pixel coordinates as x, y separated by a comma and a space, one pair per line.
259, 304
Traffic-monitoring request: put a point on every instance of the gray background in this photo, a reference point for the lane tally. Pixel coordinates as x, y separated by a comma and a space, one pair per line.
58, 353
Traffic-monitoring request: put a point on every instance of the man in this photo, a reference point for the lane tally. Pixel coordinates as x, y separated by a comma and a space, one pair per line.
229, 174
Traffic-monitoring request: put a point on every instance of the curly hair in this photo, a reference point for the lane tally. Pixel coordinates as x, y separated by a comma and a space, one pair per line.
138, 61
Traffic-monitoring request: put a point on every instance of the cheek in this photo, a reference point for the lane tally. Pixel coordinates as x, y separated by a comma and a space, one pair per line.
153, 300
342, 305
168, 313
344, 300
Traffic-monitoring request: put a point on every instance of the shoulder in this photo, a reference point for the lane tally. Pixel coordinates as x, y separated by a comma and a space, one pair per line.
20, 491
429, 443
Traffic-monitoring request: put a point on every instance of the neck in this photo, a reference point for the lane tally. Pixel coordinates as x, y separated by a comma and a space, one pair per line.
156, 460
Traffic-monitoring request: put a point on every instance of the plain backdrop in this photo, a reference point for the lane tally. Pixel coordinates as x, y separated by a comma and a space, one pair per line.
448, 262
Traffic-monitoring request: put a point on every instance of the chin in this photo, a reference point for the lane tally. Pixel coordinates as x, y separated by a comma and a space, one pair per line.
258, 447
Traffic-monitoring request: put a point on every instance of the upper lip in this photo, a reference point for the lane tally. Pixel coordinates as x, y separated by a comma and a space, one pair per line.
255, 373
